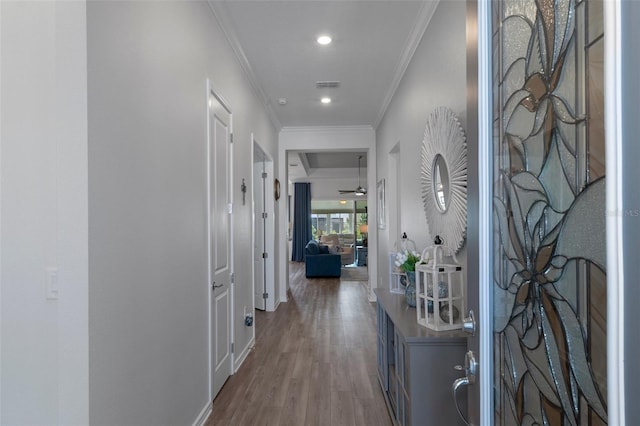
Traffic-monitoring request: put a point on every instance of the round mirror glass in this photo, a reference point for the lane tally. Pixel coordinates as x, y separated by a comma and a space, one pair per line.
440, 182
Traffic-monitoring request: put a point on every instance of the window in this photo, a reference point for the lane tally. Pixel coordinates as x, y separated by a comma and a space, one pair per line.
334, 217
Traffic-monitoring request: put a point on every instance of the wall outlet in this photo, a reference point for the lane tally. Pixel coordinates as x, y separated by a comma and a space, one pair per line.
248, 317
248, 320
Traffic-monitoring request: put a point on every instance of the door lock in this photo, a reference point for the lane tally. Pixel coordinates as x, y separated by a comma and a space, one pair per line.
469, 323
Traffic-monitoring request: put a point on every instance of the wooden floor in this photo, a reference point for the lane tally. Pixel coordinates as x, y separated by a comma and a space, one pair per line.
314, 362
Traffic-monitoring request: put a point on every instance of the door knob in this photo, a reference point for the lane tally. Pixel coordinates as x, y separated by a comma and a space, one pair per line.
469, 323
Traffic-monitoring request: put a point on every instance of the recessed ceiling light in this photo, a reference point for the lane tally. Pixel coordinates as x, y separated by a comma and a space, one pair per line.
324, 40
282, 101
343, 201
325, 100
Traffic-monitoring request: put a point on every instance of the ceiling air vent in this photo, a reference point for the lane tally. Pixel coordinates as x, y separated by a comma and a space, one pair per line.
327, 84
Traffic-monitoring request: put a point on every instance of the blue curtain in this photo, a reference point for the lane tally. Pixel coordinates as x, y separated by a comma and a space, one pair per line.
301, 220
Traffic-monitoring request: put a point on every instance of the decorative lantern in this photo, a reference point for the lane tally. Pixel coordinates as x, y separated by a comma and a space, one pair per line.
397, 278
440, 289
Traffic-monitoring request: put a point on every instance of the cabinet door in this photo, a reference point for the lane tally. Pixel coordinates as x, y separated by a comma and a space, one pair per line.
383, 367
402, 362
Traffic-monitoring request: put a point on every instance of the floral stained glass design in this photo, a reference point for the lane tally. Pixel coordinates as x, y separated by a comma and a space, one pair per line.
549, 274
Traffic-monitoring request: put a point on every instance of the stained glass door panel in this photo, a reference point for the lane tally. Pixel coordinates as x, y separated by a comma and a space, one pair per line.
549, 277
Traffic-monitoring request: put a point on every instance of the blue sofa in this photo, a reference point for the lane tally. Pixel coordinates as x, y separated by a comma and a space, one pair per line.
318, 262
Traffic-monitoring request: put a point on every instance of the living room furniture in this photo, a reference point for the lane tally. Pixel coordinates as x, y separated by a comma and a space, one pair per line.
319, 262
361, 255
333, 241
416, 365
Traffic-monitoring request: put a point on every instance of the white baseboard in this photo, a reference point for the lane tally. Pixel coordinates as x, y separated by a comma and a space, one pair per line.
202, 418
243, 355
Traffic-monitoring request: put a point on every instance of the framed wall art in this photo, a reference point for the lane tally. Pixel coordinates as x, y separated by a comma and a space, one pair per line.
382, 219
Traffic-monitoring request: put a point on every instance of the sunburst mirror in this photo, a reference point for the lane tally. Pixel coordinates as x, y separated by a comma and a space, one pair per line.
444, 177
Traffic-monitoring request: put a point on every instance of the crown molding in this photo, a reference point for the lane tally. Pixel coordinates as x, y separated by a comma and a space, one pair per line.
319, 129
221, 15
424, 16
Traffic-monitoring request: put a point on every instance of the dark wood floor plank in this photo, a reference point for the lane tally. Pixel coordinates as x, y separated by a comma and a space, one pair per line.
313, 362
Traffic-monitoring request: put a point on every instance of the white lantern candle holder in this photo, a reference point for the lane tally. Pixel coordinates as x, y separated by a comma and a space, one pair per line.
397, 278
440, 289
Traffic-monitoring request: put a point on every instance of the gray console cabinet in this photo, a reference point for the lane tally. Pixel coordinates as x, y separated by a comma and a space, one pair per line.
415, 365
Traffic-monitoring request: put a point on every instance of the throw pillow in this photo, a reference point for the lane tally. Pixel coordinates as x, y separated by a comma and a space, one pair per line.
312, 247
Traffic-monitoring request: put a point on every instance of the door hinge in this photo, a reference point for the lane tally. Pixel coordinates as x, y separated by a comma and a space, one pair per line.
264, 215
265, 255
231, 138
264, 175
265, 296
230, 208
232, 278
232, 347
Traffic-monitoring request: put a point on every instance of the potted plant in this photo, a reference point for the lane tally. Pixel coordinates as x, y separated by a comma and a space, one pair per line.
406, 261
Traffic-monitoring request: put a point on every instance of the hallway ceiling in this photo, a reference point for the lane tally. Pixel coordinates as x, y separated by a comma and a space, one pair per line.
326, 164
373, 41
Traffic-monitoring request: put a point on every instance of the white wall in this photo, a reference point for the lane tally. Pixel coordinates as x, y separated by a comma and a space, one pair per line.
630, 14
435, 77
148, 63
358, 138
44, 343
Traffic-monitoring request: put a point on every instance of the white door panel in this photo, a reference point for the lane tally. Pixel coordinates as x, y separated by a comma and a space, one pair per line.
258, 249
220, 268
264, 238
221, 349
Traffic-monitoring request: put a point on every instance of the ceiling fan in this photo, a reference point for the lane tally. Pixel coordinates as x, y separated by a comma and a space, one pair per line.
360, 190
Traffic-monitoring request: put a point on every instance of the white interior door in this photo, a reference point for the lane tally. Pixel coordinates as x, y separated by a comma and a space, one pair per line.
264, 230
269, 237
220, 267
259, 270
